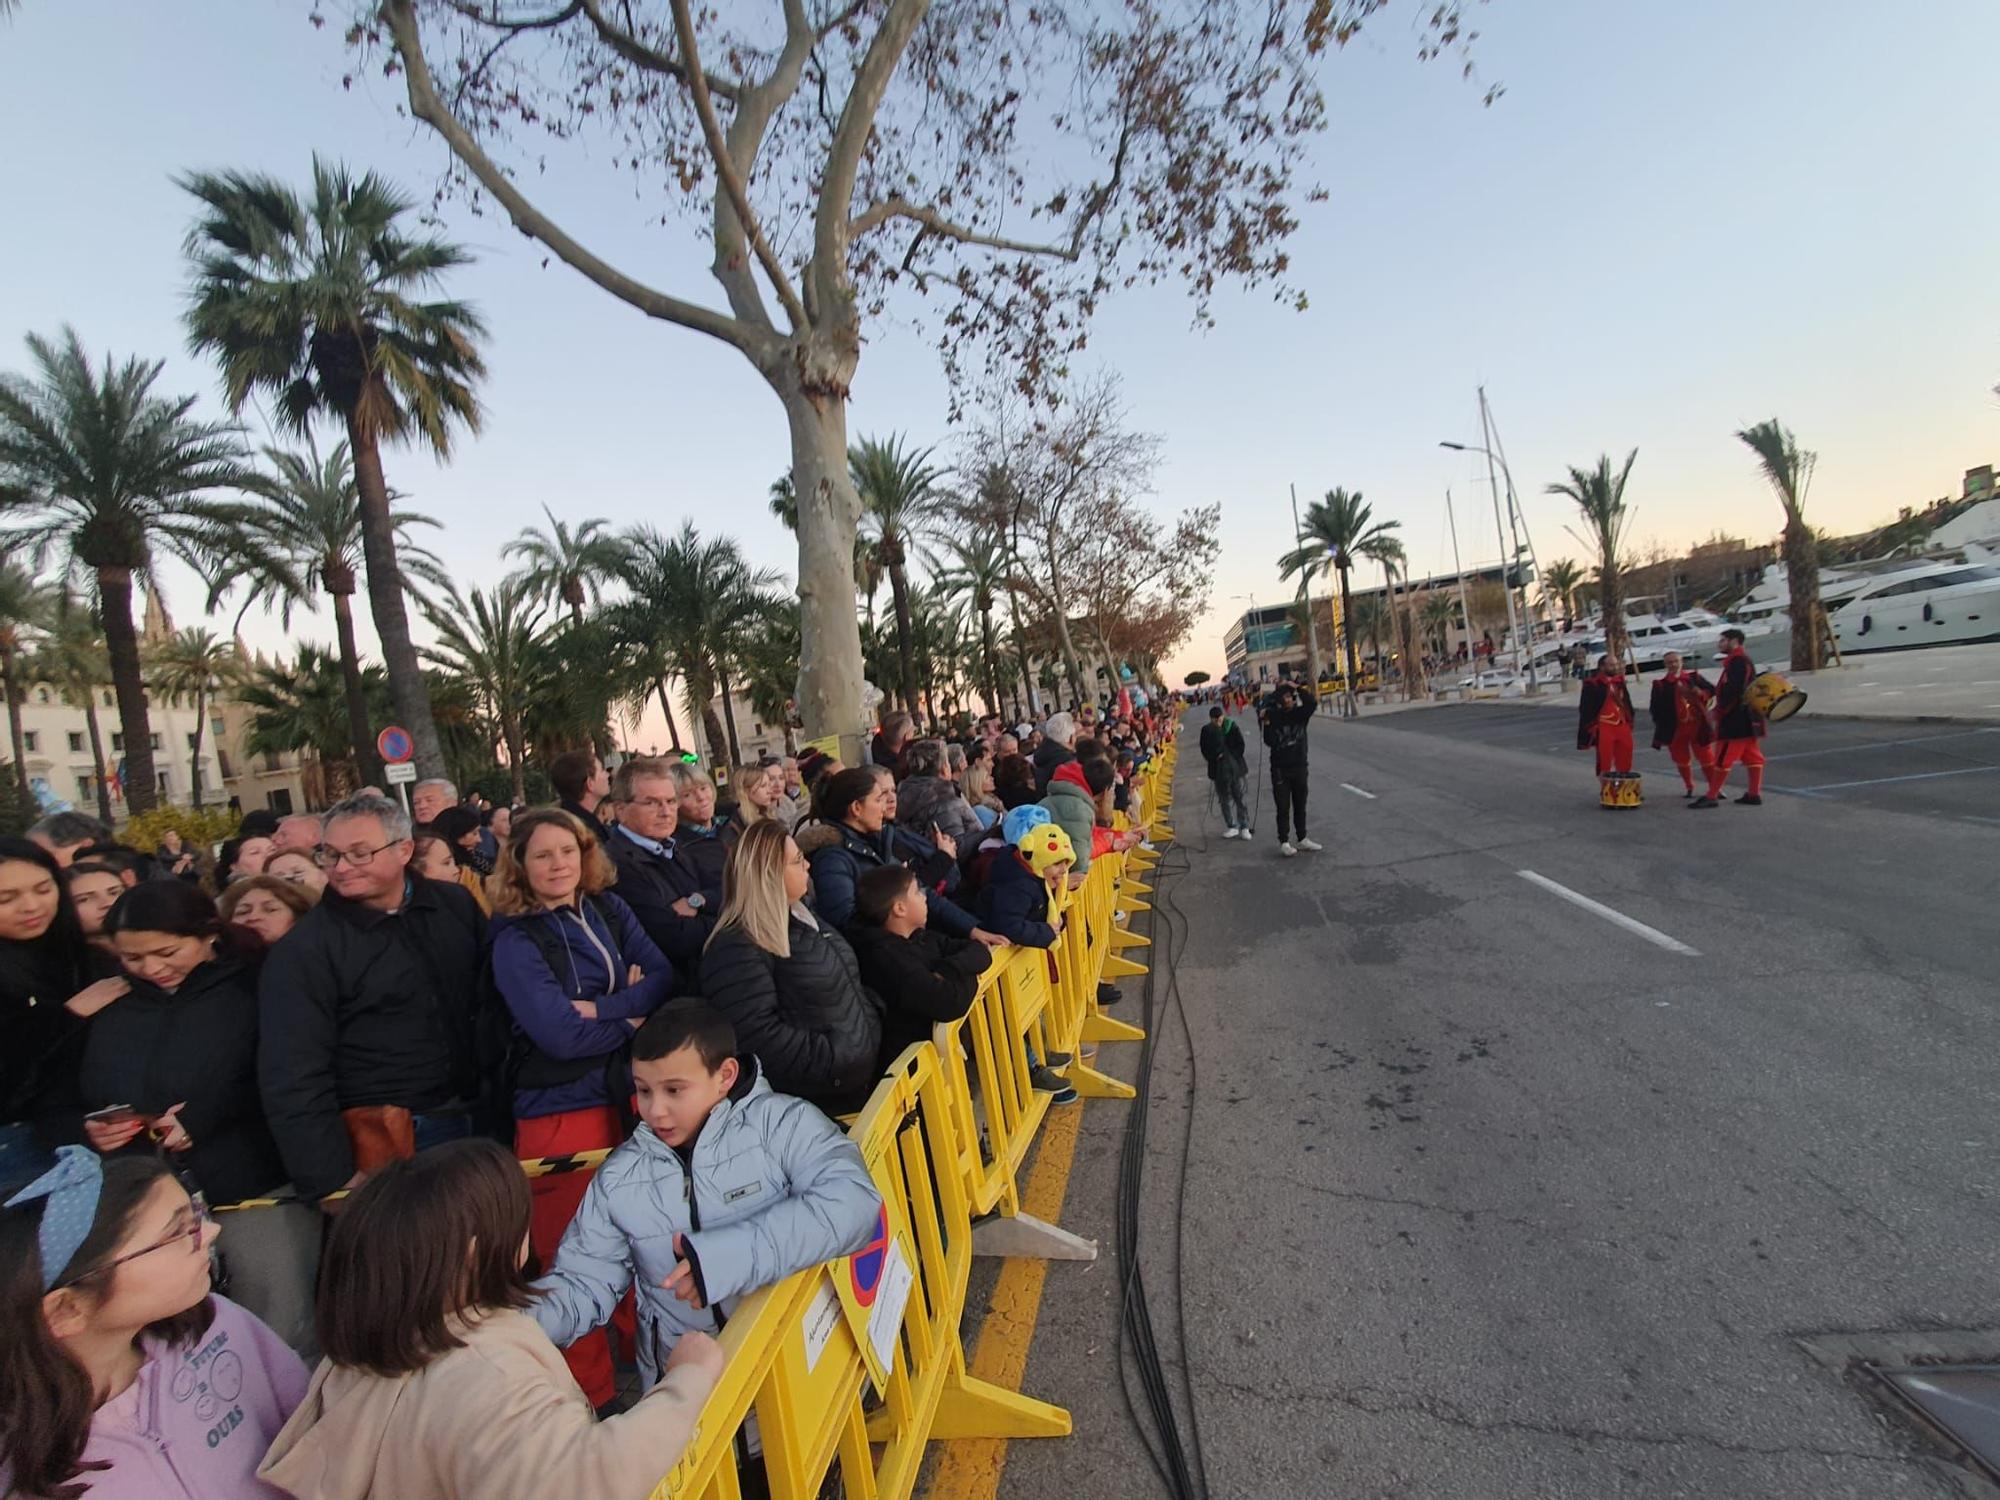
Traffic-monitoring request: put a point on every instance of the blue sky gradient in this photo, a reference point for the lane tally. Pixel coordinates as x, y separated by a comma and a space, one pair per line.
1680, 218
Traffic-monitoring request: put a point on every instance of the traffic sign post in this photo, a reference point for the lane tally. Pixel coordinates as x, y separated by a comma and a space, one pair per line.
401, 773
398, 748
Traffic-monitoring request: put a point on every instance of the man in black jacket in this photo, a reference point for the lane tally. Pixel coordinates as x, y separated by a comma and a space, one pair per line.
675, 900
371, 1000
582, 787
1287, 720
1222, 747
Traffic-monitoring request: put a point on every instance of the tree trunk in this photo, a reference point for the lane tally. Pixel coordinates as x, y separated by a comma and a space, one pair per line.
1611, 602
517, 758
718, 742
1347, 630
194, 752
15, 733
1801, 550
1313, 663
385, 601
366, 766
1027, 666
728, 715
128, 681
97, 751
667, 708
906, 672
991, 662
829, 509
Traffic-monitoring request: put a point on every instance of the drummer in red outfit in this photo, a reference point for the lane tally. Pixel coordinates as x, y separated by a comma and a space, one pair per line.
1680, 719
1737, 729
1604, 718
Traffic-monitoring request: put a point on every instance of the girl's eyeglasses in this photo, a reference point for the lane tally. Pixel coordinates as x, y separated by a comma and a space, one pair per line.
202, 1218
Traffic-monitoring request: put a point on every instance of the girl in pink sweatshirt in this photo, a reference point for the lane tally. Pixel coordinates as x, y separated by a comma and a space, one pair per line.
122, 1378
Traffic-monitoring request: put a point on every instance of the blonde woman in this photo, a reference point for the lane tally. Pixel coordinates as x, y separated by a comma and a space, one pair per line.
759, 790
706, 836
787, 981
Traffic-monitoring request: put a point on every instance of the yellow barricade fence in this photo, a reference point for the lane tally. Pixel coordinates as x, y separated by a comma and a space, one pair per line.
802, 1362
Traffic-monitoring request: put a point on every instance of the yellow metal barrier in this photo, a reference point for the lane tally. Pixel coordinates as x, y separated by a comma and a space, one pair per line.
797, 1360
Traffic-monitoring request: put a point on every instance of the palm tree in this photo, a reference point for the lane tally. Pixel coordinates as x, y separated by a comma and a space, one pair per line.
193, 663
1600, 496
572, 566
489, 642
24, 606
1333, 533
316, 303
301, 706
1559, 581
1437, 614
72, 659
785, 502
1368, 621
1789, 469
768, 661
980, 577
693, 597
98, 469
311, 520
901, 499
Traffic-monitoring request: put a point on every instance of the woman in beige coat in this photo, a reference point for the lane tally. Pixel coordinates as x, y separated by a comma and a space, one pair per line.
436, 1385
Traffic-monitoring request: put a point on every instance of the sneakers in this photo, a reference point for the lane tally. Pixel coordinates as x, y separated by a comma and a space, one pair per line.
1243, 834
1047, 1079
1311, 846
1058, 1060
1749, 799
1703, 801
1109, 994
1230, 834
1285, 848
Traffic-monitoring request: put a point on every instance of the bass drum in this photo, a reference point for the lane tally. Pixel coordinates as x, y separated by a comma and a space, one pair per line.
1772, 697
1620, 789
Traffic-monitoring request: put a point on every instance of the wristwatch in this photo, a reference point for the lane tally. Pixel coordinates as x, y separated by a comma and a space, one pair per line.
697, 900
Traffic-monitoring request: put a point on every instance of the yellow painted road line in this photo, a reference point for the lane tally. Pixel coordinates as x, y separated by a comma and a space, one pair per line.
970, 1468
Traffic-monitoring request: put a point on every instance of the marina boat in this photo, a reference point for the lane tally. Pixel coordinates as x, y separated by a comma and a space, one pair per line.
1943, 598
1695, 633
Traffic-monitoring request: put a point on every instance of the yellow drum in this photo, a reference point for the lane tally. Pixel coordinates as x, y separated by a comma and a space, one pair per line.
1772, 697
1620, 789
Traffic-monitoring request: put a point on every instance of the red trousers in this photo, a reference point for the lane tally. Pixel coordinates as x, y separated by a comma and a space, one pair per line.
553, 1203
1728, 752
1614, 747
1688, 754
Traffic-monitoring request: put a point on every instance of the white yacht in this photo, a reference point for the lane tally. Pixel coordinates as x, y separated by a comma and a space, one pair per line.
1942, 598
1653, 631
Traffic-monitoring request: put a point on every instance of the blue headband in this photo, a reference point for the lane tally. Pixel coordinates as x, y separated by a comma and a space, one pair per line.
72, 1187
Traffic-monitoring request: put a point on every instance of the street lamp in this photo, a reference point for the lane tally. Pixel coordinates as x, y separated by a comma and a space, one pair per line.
1521, 644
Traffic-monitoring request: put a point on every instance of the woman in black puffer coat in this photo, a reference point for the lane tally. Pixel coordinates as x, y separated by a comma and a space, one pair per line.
789, 982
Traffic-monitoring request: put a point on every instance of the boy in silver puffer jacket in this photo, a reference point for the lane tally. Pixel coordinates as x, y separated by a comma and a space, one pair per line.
726, 1187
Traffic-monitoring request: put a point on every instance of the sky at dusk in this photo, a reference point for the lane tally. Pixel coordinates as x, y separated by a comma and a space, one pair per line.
1680, 218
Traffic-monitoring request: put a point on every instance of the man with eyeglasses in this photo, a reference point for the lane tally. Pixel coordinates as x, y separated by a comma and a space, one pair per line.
674, 900
367, 1040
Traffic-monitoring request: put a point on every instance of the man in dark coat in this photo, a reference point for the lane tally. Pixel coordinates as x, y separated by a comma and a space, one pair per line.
582, 788
1604, 717
1222, 747
371, 1000
1680, 719
1287, 722
1737, 728
675, 898
1056, 748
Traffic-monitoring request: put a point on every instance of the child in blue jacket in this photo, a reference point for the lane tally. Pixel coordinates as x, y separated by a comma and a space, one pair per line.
725, 1187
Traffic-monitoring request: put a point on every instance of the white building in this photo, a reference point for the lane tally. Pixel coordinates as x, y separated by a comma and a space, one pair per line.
62, 772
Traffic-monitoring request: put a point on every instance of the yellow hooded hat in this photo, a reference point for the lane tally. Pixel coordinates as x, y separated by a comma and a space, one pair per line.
1046, 846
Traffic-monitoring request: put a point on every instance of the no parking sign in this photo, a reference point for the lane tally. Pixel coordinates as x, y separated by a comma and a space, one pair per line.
874, 1287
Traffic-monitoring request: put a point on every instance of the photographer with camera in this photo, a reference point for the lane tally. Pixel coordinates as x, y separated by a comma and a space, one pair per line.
1286, 717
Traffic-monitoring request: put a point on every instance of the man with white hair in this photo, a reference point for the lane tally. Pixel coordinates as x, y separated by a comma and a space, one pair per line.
1058, 738
300, 831
430, 797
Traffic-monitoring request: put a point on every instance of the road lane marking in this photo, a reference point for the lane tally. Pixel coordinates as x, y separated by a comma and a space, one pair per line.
1922, 739
1617, 918
1841, 786
1350, 786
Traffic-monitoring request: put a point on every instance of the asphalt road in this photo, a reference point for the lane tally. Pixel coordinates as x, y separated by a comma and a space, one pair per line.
1488, 1196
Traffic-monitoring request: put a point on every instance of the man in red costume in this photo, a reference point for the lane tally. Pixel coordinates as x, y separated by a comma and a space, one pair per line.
1680, 719
1604, 717
1736, 727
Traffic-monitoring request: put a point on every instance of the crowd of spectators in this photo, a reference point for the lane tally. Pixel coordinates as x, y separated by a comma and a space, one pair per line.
271, 1095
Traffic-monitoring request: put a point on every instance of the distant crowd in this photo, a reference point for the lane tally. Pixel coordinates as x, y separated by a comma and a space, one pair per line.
263, 1106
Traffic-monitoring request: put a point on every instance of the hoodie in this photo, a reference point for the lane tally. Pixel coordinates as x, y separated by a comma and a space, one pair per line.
1071, 804
196, 1422
500, 1418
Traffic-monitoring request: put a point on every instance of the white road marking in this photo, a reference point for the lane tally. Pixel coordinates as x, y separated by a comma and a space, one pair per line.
1922, 739
1617, 918
1841, 786
1350, 786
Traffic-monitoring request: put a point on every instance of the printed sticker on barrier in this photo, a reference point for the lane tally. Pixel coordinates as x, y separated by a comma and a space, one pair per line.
822, 1315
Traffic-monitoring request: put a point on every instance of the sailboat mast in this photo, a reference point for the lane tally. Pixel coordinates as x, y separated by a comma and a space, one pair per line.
1464, 609
1500, 529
